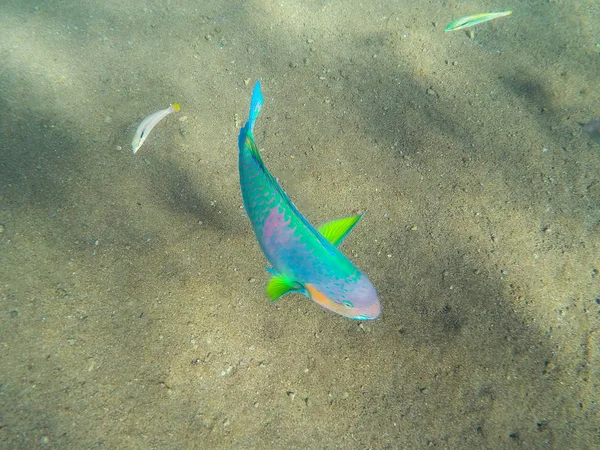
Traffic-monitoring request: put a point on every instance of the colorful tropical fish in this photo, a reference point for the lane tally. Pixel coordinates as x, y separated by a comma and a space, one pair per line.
304, 260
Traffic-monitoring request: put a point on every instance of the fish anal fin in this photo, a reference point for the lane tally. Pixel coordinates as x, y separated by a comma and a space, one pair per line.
337, 230
280, 285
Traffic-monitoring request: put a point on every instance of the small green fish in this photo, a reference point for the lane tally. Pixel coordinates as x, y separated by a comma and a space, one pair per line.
474, 19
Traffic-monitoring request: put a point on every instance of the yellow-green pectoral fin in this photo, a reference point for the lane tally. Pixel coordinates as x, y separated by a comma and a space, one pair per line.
280, 285
337, 230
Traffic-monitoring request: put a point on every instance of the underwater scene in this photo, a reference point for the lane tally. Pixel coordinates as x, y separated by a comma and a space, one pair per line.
420, 180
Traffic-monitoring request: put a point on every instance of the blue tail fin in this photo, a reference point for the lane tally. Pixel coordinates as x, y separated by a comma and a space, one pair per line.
255, 105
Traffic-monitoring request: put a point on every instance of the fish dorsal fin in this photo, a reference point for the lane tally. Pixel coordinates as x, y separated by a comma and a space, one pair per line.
336, 230
280, 285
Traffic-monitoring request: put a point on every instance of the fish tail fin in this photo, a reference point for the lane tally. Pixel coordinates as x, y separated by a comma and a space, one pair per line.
175, 107
255, 106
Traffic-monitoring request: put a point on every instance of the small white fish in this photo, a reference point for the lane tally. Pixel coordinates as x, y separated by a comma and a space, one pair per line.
474, 19
150, 122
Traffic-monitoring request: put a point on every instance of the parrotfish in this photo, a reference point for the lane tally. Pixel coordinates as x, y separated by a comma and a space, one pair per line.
150, 122
305, 260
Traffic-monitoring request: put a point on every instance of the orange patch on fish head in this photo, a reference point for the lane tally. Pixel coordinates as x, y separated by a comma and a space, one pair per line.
345, 309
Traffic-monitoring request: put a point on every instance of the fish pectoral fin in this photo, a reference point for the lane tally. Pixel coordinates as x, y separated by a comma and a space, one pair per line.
280, 285
337, 230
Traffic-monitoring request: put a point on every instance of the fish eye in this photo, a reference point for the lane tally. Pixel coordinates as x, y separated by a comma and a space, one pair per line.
347, 304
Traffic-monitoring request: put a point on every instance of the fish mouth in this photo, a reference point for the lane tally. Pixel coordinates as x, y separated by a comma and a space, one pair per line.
370, 311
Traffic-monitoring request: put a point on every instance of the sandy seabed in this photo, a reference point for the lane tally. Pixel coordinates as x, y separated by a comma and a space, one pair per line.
132, 305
